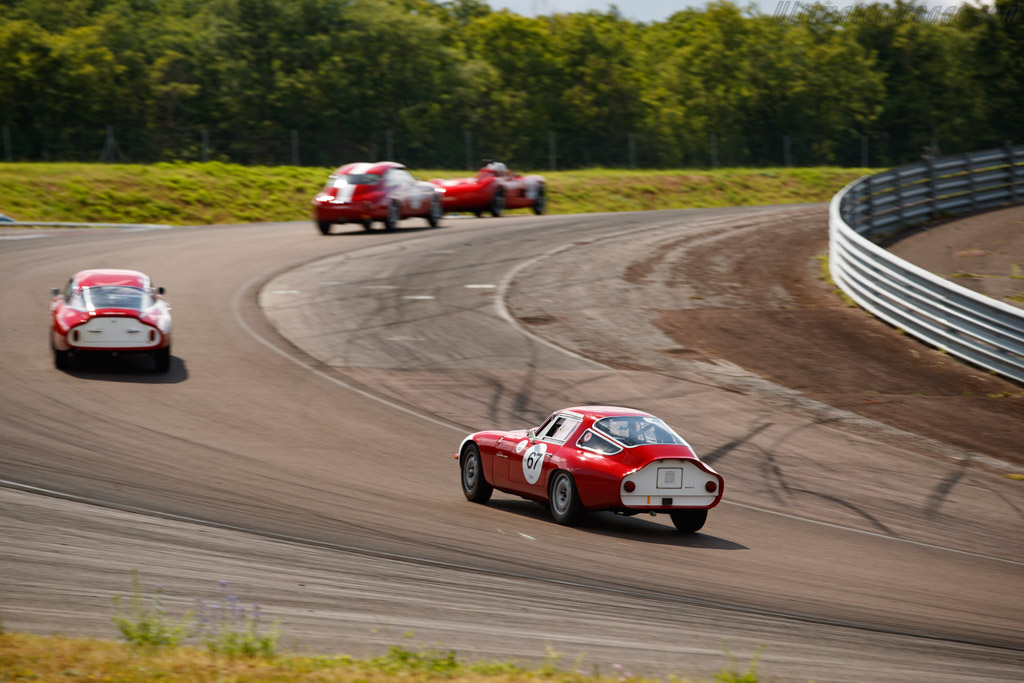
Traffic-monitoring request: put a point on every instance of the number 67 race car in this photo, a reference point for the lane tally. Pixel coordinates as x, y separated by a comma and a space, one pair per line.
593, 458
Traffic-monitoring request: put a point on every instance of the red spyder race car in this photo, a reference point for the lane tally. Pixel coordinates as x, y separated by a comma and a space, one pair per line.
382, 191
110, 312
494, 189
593, 458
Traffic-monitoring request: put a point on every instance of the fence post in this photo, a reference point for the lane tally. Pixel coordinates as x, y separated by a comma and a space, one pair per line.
205, 134
631, 150
109, 153
863, 151
552, 157
469, 148
389, 144
713, 141
295, 147
8, 156
787, 158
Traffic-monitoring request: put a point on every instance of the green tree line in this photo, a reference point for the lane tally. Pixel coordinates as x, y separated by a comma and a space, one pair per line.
441, 83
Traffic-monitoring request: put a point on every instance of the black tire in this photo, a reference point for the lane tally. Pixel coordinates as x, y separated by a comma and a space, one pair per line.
474, 485
540, 202
564, 499
61, 359
689, 521
497, 206
325, 227
367, 225
394, 215
163, 359
436, 212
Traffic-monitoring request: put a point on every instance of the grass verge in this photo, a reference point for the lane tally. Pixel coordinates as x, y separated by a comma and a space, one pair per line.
57, 658
217, 193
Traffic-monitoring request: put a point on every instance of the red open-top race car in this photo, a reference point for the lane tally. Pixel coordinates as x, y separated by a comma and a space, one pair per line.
593, 458
494, 189
112, 312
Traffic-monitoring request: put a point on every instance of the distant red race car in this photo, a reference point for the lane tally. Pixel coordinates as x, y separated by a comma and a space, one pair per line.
381, 191
494, 189
113, 312
593, 458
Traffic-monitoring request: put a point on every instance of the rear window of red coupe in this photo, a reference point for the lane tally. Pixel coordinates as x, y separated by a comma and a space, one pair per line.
636, 430
354, 179
115, 296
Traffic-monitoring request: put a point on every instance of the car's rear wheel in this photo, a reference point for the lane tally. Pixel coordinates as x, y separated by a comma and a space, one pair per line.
325, 227
163, 359
474, 485
564, 499
540, 202
498, 202
394, 215
436, 212
689, 521
61, 359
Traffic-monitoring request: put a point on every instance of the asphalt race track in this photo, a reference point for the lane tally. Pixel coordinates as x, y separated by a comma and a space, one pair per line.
301, 449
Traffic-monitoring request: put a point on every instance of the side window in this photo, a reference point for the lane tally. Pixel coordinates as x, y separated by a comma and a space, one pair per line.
593, 441
559, 429
69, 290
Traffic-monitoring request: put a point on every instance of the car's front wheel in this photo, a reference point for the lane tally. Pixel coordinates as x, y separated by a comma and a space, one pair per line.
564, 499
689, 521
474, 485
325, 227
394, 215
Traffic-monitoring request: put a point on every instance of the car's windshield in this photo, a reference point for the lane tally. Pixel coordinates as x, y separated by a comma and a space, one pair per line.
112, 296
354, 179
635, 430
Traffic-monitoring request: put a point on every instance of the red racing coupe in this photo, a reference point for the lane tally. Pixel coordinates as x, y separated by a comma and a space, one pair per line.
381, 191
112, 312
593, 458
494, 189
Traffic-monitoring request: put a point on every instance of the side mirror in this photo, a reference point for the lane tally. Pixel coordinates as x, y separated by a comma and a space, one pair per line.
532, 434
54, 292
160, 291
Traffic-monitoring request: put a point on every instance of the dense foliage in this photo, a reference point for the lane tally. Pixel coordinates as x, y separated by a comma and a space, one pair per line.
441, 83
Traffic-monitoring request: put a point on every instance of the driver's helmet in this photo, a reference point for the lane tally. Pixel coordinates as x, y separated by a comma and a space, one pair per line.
496, 166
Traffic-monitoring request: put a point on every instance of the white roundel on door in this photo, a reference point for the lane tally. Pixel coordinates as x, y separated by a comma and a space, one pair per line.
533, 462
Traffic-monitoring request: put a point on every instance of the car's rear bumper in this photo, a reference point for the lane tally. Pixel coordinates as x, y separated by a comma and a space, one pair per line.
348, 213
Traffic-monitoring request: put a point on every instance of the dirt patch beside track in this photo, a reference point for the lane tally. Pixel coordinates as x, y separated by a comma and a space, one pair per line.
759, 301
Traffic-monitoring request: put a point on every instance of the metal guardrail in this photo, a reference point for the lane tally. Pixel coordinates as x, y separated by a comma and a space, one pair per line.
972, 326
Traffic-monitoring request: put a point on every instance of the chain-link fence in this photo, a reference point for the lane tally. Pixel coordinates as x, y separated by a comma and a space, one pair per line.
450, 148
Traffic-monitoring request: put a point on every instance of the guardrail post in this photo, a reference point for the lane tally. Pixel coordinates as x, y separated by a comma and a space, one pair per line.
869, 195
933, 191
1012, 169
970, 179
